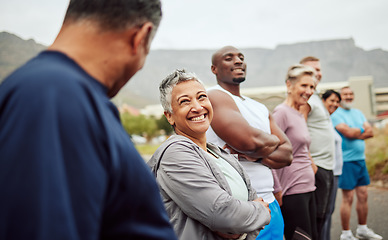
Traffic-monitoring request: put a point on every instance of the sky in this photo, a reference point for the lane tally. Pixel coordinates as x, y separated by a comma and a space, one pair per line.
211, 24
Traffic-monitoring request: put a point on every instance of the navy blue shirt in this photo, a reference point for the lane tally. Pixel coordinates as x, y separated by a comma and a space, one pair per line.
68, 169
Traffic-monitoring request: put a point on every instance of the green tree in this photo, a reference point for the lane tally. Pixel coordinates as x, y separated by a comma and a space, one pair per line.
147, 127
164, 125
128, 122
140, 125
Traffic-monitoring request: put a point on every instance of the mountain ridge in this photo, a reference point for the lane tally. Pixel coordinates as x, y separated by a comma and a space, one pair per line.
340, 59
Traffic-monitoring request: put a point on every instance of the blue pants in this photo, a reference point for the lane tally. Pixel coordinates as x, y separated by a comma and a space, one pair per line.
275, 228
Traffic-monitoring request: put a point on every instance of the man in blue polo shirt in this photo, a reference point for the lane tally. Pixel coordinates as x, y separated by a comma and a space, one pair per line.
354, 129
68, 169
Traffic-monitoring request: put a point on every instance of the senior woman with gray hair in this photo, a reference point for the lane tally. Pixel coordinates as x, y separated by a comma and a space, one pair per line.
205, 190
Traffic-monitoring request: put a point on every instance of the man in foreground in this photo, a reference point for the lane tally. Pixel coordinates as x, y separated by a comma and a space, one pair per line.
245, 127
68, 170
354, 129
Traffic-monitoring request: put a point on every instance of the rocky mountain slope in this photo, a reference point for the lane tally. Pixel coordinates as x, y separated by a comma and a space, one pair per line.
340, 59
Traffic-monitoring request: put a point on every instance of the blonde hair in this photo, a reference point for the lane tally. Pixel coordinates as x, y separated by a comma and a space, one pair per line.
298, 70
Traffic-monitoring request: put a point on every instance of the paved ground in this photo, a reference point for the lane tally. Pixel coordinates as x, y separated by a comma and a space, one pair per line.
377, 217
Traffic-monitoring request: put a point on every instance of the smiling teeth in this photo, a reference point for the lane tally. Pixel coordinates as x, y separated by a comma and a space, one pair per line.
198, 118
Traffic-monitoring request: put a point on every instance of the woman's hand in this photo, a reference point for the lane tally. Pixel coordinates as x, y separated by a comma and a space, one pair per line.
279, 197
265, 204
228, 236
315, 168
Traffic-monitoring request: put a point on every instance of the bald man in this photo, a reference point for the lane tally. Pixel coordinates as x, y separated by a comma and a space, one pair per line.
246, 128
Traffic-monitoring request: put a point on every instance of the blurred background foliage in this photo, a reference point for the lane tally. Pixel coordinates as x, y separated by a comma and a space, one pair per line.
376, 151
144, 126
155, 130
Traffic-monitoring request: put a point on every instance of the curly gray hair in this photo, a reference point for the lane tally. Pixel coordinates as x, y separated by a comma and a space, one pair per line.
167, 85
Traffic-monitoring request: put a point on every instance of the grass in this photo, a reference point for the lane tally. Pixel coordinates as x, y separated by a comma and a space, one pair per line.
146, 149
376, 151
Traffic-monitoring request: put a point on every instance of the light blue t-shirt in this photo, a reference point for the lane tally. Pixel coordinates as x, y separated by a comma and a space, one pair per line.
352, 149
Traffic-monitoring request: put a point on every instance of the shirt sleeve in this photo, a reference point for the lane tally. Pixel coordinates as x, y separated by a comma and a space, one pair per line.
280, 118
336, 118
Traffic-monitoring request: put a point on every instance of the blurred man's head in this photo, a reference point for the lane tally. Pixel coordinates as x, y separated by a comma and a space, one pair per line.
115, 14
347, 97
315, 63
109, 39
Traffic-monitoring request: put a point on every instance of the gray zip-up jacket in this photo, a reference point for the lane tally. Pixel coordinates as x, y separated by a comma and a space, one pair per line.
197, 196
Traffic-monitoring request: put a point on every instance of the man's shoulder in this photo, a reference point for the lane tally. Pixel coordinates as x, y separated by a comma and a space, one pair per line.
220, 98
314, 101
280, 108
218, 91
337, 112
356, 111
254, 103
340, 115
314, 97
39, 87
46, 70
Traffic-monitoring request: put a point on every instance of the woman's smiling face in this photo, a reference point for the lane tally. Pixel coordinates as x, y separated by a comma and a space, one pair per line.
301, 90
331, 103
192, 112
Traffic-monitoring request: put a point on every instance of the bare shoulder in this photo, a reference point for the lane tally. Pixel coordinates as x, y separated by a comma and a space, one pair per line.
226, 112
221, 100
217, 95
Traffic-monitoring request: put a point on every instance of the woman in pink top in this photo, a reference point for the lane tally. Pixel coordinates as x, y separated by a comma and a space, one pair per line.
297, 180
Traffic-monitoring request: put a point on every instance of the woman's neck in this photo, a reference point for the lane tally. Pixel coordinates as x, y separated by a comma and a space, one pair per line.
200, 140
291, 103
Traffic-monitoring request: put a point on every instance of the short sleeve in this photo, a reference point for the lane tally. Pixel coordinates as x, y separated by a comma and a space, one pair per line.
280, 118
336, 118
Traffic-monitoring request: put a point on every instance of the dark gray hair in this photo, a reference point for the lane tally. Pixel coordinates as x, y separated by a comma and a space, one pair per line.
330, 92
298, 70
168, 84
115, 14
